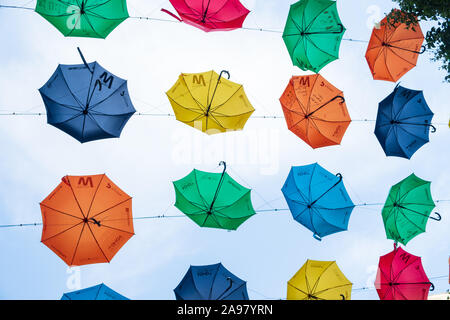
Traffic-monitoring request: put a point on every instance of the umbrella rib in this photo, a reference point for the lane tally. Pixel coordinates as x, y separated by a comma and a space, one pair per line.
289, 284
95, 194
61, 212
342, 285
116, 205
94, 6
117, 229
226, 101
59, 233
229, 294
68, 89
200, 113
212, 284
78, 242
73, 193
316, 16
201, 107
417, 137
75, 25
385, 63
329, 223
97, 243
422, 229
392, 50
205, 203
65, 105
92, 27
98, 125
94, 14
318, 278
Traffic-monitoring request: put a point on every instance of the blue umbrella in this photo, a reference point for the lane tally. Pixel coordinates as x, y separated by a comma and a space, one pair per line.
212, 282
318, 199
87, 102
98, 292
403, 122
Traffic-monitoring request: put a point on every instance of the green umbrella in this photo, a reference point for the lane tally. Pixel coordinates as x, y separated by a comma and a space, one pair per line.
407, 209
83, 18
213, 200
313, 33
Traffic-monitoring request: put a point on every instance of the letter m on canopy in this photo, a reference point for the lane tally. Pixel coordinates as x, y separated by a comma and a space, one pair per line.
85, 182
199, 80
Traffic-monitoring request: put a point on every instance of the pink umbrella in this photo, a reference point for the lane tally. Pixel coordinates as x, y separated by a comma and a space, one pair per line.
401, 276
210, 15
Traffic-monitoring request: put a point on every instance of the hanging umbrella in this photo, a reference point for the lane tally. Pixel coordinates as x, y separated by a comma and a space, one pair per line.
318, 200
319, 280
407, 209
212, 282
213, 200
403, 122
315, 110
313, 34
401, 276
98, 292
86, 219
83, 18
210, 15
393, 50
210, 103
87, 102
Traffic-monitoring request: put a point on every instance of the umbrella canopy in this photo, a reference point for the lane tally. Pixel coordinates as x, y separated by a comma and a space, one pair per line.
83, 18
87, 102
403, 122
407, 209
315, 110
319, 280
393, 50
98, 292
210, 15
212, 282
213, 200
209, 102
318, 199
401, 276
313, 34
86, 219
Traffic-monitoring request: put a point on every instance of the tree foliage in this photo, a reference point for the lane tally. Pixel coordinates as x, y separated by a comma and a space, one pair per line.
438, 37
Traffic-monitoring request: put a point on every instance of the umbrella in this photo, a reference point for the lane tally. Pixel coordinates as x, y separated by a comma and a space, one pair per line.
313, 34
87, 102
403, 122
318, 200
213, 200
83, 18
86, 219
315, 110
210, 103
98, 292
401, 276
212, 282
319, 280
210, 15
407, 209
393, 50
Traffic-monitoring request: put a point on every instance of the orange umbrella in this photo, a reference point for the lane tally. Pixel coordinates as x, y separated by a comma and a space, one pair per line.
393, 50
86, 219
315, 110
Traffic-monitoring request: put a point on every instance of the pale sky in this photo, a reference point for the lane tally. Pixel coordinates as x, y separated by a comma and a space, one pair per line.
269, 248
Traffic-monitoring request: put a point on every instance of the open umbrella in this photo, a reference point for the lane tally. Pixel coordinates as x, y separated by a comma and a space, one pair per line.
86, 219
213, 200
393, 50
407, 209
212, 282
401, 276
210, 15
98, 292
313, 34
315, 110
403, 122
318, 199
83, 18
87, 102
209, 102
319, 280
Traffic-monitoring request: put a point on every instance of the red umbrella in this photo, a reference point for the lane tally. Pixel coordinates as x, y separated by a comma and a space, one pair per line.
210, 15
401, 276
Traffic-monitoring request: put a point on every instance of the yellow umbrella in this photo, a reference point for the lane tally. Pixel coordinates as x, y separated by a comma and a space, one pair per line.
319, 280
209, 102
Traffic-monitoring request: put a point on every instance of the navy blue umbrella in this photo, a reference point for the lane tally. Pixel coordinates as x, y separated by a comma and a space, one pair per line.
403, 122
87, 102
212, 282
98, 292
318, 199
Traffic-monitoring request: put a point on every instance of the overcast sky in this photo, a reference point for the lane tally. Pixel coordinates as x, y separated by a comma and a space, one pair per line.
268, 249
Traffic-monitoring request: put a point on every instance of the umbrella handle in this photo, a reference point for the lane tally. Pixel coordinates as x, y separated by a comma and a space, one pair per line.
226, 72
317, 237
433, 128
339, 176
439, 218
172, 14
84, 60
224, 164
342, 28
343, 297
423, 50
432, 286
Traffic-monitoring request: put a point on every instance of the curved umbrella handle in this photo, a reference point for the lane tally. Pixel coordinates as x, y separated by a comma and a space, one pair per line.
433, 128
342, 28
317, 237
439, 218
432, 286
224, 164
343, 297
423, 50
339, 176
172, 15
226, 72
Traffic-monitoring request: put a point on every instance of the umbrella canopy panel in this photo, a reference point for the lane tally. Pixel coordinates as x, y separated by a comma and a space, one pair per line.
98, 292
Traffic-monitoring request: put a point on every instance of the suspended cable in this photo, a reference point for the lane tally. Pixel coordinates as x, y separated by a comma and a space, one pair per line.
16, 7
